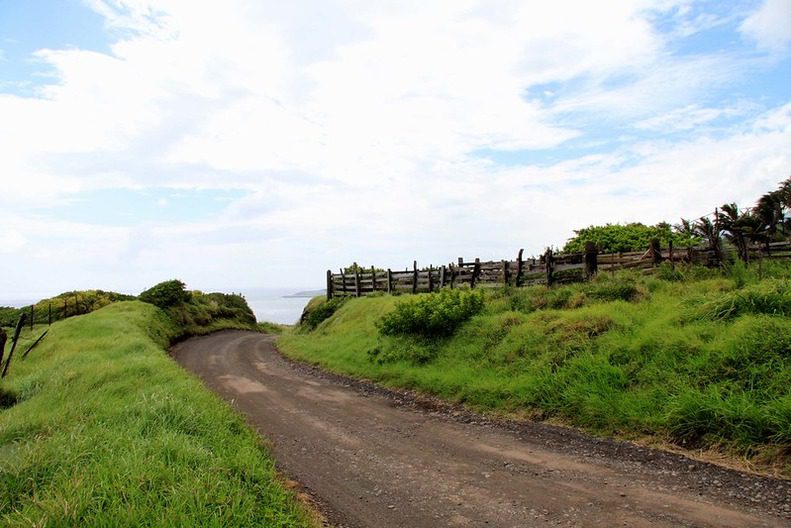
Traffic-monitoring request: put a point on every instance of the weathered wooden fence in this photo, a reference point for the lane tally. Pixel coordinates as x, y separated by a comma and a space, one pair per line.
549, 268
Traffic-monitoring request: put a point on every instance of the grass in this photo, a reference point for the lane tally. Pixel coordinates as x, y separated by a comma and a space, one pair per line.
102, 428
697, 358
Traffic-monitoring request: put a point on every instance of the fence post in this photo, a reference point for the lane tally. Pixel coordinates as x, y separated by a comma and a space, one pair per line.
343, 282
430, 278
357, 282
656, 251
452, 276
329, 285
442, 277
373, 279
506, 275
414, 276
3, 338
476, 270
549, 262
519, 265
17, 330
591, 260
389, 281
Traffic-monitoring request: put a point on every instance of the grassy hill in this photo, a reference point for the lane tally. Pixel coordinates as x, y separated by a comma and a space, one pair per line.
695, 358
100, 428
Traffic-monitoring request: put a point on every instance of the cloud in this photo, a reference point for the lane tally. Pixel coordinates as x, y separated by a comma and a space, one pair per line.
352, 130
770, 25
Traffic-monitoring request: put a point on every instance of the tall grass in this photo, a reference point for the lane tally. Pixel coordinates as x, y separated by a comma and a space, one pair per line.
694, 357
106, 430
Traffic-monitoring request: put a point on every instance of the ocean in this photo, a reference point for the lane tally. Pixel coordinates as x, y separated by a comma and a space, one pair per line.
276, 305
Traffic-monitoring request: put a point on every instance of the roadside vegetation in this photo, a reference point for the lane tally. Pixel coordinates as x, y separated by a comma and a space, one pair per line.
696, 357
98, 427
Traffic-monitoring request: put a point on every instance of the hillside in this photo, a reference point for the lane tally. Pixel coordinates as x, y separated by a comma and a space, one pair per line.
695, 359
99, 427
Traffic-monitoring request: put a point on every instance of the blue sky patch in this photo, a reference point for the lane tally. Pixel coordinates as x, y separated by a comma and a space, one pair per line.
30, 25
129, 207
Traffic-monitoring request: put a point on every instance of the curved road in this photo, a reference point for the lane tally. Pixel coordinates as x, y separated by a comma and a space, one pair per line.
372, 458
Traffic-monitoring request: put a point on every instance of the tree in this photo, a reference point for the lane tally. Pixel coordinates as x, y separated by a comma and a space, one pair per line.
740, 228
707, 231
614, 238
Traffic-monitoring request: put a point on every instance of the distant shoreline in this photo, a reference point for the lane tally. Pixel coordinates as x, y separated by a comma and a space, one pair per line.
306, 294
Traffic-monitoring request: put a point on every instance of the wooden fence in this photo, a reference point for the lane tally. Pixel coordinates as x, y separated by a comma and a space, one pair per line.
550, 268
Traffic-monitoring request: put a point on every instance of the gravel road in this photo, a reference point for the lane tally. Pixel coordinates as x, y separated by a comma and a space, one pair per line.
371, 457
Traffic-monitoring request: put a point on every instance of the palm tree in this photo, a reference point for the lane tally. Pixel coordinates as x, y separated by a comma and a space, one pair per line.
770, 212
740, 228
705, 229
686, 230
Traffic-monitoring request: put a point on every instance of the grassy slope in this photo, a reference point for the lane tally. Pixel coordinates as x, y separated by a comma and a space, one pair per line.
109, 431
656, 366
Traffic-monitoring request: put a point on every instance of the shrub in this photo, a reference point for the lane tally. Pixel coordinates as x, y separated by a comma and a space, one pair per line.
166, 294
669, 273
314, 314
432, 315
612, 238
619, 288
740, 274
415, 351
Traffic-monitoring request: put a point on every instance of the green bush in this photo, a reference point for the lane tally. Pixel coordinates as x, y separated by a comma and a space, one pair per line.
416, 351
622, 287
166, 294
669, 273
433, 314
612, 238
315, 313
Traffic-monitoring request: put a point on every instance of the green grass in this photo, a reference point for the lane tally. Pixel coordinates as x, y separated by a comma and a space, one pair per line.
108, 431
694, 360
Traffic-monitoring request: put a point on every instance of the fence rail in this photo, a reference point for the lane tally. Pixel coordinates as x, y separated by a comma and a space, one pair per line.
550, 268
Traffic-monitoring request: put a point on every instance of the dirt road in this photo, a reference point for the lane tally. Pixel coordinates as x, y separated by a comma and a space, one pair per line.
375, 458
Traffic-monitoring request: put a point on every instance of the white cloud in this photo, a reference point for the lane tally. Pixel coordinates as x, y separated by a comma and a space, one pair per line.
770, 25
353, 126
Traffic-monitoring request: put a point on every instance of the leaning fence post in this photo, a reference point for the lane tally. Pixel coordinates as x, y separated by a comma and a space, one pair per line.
3, 338
329, 285
36, 342
591, 260
414, 276
519, 265
17, 330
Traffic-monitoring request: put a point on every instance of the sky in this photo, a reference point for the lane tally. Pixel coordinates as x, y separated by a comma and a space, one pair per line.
247, 143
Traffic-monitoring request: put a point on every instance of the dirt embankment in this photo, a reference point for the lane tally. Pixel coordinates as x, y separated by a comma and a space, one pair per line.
377, 458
